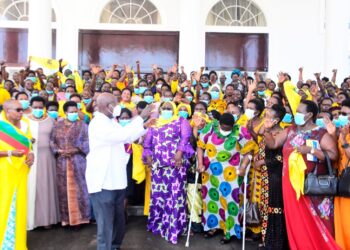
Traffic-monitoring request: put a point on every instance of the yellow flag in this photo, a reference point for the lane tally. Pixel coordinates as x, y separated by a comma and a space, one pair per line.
49, 65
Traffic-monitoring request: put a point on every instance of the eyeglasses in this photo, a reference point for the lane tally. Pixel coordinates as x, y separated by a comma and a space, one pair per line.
167, 109
18, 110
343, 113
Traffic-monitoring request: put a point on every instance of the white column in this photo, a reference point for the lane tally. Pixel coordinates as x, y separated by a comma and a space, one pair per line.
68, 34
40, 32
336, 38
192, 35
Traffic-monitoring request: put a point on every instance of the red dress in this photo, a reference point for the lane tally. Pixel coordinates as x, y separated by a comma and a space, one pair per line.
309, 220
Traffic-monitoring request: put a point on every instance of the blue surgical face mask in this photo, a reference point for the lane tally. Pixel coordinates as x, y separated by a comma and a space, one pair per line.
261, 93
137, 91
53, 114
148, 98
287, 118
72, 117
49, 92
183, 114
167, 99
24, 103
320, 122
189, 98
185, 89
215, 95
79, 105
166, 114
123, 123
336, 123
343, 120
194, 83
87, 101
34, 95
67, 95
63, 85
205, 84
38, 113
299, 119
235, 117
142, 90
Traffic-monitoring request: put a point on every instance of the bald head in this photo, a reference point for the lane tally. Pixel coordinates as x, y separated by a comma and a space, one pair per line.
105, 104
13, 111
9, 104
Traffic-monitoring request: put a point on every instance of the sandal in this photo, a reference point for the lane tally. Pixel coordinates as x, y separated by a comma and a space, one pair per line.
210, 234
224, 241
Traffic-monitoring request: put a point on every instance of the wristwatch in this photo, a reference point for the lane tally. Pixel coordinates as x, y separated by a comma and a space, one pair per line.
345, 145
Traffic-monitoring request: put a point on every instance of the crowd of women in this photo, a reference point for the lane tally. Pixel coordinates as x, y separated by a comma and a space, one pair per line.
276, 132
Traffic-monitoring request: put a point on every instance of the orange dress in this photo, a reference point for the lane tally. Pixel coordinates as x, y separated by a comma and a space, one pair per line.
341, 207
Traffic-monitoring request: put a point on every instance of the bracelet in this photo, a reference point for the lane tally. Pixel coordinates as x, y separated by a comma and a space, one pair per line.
9, 153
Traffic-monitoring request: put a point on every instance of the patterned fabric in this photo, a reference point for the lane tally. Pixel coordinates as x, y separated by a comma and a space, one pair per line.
10, 235
167, 214
309, 220
71, 184
220, 183
274, 233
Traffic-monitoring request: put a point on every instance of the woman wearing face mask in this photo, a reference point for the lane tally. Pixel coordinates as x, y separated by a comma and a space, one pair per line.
50, 92
309, 219
148, 96
236, 109
224, 151
167, 151
204, 80
254, 111
184, 110
124, 119
70, 143
217, 103
42, 194
288, 118
269, 162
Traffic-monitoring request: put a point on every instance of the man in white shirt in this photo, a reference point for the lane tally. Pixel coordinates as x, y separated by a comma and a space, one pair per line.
106, 168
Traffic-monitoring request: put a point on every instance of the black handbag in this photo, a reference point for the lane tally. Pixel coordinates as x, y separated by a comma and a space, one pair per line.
321, 185
344, 182
253, 217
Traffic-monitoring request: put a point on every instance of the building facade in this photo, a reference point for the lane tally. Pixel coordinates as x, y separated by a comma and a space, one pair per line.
268, 35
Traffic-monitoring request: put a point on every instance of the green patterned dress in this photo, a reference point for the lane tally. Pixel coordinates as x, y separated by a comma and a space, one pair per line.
220, 183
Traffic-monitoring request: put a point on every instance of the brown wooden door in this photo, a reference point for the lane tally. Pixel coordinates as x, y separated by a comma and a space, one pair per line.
126, 47
225, 51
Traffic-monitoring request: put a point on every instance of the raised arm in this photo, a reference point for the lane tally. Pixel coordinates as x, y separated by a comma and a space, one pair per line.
334, 76
301, 74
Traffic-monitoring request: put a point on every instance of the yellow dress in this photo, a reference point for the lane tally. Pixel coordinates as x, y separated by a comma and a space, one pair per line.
13, 191
255, 179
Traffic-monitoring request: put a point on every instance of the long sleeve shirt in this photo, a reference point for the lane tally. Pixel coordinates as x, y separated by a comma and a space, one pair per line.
107, 160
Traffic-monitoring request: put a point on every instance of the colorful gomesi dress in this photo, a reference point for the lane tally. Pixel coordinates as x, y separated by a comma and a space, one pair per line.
220, 183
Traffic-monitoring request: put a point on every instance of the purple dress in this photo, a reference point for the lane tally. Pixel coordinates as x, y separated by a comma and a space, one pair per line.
167, 215
71, 184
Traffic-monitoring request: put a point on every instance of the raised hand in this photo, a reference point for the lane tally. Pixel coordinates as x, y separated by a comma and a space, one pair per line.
330, 126
317, 75
301, 69
146, 113
281, 77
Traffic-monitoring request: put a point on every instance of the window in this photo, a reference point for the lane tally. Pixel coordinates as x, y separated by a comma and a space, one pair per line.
17, 10
130, 12
236, 13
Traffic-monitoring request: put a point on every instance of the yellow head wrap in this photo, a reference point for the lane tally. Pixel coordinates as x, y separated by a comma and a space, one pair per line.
161, 121
188, 107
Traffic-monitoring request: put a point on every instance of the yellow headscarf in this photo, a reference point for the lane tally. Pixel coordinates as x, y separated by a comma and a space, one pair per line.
161, 121
188, 107
297, 167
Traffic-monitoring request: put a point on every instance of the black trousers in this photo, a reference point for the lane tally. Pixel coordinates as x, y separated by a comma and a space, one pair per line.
108, 207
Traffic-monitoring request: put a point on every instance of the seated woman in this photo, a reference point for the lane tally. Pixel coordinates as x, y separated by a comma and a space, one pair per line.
167, 150
309, 219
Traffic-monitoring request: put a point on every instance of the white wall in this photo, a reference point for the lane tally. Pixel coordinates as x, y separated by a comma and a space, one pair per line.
301, 33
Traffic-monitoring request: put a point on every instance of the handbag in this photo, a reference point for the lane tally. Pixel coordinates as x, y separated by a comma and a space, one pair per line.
344, 182
253, 218
321, 185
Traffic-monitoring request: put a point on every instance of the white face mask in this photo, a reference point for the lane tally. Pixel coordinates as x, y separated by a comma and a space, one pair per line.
224, 133
249, 113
